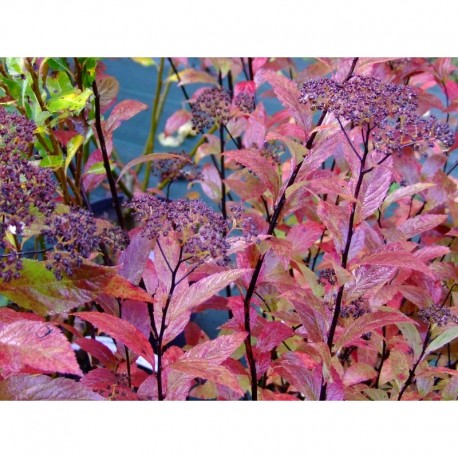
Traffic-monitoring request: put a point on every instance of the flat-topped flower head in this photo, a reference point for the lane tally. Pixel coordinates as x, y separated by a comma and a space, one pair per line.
16, 133
74, 238
440, 315
212, 106
182, 168
390, 110
200, 231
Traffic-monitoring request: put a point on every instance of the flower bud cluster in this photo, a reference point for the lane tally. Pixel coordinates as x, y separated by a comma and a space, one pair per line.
354, 309
389, 109
177, 168
74, 237
212, 106
200, 231
327, 276
244, 221
439, 314
16, 133
245, 102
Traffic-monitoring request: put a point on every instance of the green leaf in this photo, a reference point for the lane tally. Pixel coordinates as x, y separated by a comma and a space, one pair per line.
73, 100
99, 169
38, 290
52, 162
72, 148
443, 339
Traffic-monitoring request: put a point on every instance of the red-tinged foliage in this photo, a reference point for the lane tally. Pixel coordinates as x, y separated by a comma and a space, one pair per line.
111, 386
327, 251
121, 330
44, 388
35, 347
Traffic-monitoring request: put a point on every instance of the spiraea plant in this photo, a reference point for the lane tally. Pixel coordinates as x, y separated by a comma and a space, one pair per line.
319, 220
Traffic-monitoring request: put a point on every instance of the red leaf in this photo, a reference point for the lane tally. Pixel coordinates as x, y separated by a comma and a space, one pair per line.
176, 120
370, 322
302, 237
302, 372
397, 259
98, 350
358, 373
182, 304
136, 313
259, 165
35, 346
92, 180
205, 360
255, 132
373, 191
273, 334
8, 315
416, 225
121, 330
133, 259
335, 219
109, 385
122, 112
288, 94
44, 388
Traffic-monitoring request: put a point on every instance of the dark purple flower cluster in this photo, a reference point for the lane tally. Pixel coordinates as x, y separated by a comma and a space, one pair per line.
74, 238
212, 106
200, 231
244, 221
327, 276
28, 208
245, 102
16, 133
439, 314
354, 309
177, 168
389, 109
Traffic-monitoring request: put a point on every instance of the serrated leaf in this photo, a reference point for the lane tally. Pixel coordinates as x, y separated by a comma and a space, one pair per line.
192, 76
416, 225
147, 158
335, 219
358, 373
121, 330
372, 193
35, 346
38, 289
72, 148
370, 322
288, 94
397, 259
182, 304
122, 112
204, 360
406, 191
73, 100
443, 339
273, 334
259, 165
44, 388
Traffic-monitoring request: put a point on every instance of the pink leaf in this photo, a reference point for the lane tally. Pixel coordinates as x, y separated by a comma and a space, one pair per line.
133, 259
336, 220
122, 112
259, 165
273, 334
121, 330
255, 132
358, 373
416, 225
35, 346
397, 259
288, 94
373, 191
182, 304
176, 120
98, 350
205, 360
44, 388
370, 322
302, 372
303, 236
193, 76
